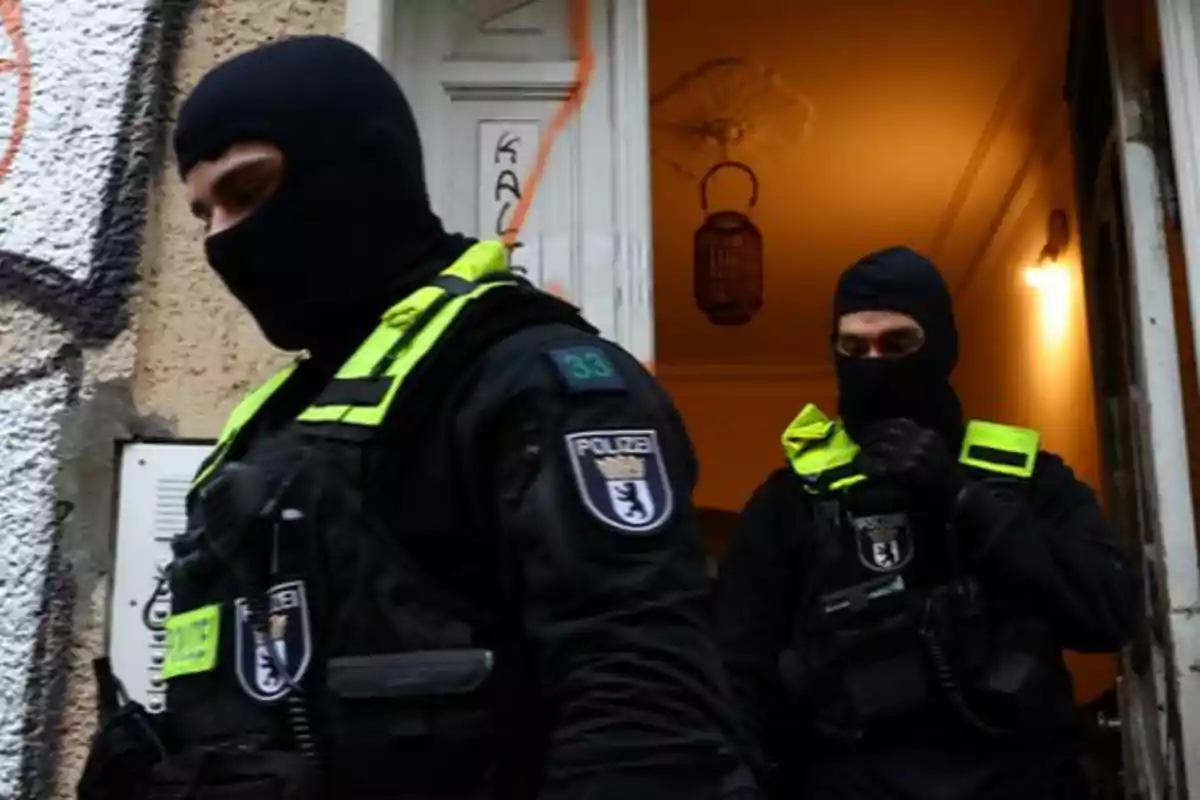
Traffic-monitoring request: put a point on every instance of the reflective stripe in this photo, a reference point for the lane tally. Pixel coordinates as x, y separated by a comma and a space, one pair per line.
192, 640
819, 448
366, 385
1005, 449
847, 482
815, 444
242, 413
409, 331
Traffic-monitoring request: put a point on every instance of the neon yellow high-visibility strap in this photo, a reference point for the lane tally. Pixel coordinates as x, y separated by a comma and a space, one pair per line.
847, 482
242, 413
1004, 449
403, 364
810, 427
815, 444
251, 403
485, 259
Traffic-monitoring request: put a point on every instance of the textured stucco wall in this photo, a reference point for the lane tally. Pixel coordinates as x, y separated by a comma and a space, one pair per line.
197, 350
88, 354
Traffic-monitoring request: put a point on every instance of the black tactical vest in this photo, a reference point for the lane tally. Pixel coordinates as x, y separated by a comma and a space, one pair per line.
887, 622
329, 597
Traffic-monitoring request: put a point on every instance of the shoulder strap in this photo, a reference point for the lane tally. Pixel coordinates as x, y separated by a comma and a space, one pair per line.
1003, 449
363, 389
428, 342
820, 451
242, 413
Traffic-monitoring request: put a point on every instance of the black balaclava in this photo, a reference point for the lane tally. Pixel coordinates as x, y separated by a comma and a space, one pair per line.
916, 386
349, 230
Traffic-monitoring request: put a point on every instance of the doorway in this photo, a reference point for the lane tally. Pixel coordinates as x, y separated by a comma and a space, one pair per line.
838, 129
853, 126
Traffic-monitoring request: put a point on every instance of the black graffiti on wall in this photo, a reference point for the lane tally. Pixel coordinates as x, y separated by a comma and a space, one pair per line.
92, 310
507, 192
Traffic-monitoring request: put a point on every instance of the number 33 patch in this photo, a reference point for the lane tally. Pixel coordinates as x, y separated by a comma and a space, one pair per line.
622, 478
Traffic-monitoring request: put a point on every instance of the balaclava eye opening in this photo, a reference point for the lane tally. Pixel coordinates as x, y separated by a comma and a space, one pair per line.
916, 386
349, 231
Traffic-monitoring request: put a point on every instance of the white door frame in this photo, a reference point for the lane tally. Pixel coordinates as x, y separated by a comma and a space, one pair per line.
371, 23
1171, 502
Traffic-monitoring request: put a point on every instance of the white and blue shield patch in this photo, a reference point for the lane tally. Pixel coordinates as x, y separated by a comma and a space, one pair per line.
286, 645
621, 478
885, 541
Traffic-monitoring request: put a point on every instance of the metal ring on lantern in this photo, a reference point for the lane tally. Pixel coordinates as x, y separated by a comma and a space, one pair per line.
728, 165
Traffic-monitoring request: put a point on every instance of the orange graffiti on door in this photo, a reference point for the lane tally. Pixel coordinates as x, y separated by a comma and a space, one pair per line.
581, 40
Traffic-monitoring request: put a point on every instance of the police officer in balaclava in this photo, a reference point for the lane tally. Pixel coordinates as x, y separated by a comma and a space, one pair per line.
450, 551
894, 606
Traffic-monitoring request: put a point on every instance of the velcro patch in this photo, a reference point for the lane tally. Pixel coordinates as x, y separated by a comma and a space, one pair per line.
192, 640
282, 642
622, 478
587, 368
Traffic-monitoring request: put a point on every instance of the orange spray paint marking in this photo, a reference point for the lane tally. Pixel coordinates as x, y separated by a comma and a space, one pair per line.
10, 15
584, 67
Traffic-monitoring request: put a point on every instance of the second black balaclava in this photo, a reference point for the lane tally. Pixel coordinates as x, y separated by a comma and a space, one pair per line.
349, 230
917, 386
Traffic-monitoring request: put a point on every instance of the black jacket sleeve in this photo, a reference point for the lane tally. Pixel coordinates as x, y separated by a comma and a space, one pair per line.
752, 608
611, 572
1054, 551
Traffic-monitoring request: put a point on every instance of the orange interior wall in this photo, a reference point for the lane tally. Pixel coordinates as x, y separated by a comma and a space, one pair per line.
735, 424
1025, 351
1025, 357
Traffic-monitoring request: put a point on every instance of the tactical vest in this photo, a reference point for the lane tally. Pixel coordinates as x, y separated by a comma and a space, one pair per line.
858, 644
368, 383
300, 621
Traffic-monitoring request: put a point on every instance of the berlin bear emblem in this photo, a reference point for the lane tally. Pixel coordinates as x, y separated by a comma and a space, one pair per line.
884, 541
622, 478
285, 645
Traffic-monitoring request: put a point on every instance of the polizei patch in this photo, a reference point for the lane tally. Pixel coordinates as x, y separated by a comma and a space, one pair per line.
621, 478
282, 640
884, 541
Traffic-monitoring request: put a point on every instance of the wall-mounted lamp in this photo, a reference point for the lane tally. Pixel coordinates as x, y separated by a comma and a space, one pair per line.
1058, 235
1051, 279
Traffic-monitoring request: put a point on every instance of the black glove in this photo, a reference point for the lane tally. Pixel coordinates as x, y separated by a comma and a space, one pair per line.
914, 458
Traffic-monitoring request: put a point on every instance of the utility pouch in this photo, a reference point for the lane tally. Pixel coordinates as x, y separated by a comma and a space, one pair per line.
424, 713
876, 647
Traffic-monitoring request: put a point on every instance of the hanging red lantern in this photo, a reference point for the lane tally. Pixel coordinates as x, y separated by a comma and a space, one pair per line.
728, 258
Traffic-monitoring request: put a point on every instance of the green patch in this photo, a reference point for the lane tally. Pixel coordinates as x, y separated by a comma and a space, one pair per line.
586, 369
192, 639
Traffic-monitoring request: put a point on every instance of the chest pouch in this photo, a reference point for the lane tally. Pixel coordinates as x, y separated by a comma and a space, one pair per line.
860, 619
875, 645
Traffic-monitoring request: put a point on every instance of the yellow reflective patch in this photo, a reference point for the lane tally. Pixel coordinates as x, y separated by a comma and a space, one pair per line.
242, 413
846, 482
192, 640
364, 361
814, 444
1005, 449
